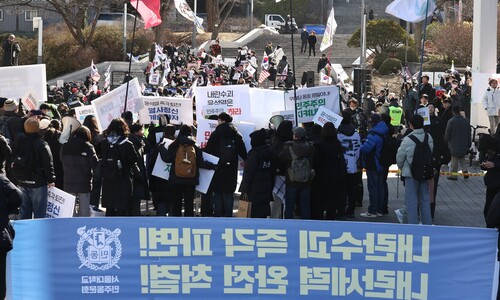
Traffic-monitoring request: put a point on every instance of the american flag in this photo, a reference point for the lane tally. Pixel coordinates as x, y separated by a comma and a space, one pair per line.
263, 75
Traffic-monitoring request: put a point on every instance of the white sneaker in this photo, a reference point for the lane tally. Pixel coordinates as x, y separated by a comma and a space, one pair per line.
399, 215
368, 215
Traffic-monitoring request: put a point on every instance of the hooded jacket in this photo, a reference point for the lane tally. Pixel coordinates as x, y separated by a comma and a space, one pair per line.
351, 142
372, 147
404, 157
78, 159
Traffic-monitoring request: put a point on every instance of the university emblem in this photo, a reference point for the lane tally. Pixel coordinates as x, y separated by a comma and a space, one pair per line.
99, 248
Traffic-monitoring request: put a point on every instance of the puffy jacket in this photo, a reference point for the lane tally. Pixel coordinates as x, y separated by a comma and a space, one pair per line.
491, 101
301, 148
372, 147
78, 159
404, 157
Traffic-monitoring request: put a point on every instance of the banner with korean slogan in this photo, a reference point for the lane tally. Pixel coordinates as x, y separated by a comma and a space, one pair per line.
324, 116
110, 106
288, 115
218, 258
59, 204
82, 112
16, 80
29, 101
234, 98
180, 110
161, 169
262, 103
309, 100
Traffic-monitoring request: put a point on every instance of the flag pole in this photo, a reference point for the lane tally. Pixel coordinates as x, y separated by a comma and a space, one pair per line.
293, 66
423, 50
131, 55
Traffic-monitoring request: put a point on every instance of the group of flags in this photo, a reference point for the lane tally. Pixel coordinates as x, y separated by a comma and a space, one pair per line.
95, 76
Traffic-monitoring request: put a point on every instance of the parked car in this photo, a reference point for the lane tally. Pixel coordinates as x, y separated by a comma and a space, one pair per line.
278, 22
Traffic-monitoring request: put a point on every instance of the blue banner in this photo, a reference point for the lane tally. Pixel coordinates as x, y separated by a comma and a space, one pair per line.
212, 258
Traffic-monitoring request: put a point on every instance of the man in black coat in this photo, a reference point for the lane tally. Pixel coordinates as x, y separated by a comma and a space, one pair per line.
303, 37
426, 88
11, 51
225, 141
323, 61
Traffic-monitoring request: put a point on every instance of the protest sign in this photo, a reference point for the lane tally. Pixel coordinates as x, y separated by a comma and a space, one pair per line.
110, 106
234, 98
245, 129
161, 169
205, 129
324, 116
83, 111
262, 103
154, 79
179, 110
206, 175
288, 115
59, 204
29, 102
309, 100
17, 80
424, 112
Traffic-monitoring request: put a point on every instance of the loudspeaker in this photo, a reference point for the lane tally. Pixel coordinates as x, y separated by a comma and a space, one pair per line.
310, 78
70, 124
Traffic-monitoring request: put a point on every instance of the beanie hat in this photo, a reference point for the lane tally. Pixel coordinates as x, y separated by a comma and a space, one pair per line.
31, 125
258, 138
10, 105
300, 132
375, 118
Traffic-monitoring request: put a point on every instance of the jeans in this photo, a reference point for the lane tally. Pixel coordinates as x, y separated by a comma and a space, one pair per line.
494, 121
223, 204
303, 195
84, 206
454, 165
34, 202
186, 192
417, 196
375, 191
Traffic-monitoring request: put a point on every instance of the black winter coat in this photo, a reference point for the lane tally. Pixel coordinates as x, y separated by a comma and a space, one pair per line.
301, 148
117, 194
78, 158
141, 188
225, 177
10, 200
492, 177
329, 165
156, 184
258, 181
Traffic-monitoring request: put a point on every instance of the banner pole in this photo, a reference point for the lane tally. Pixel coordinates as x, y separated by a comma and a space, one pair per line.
131, 55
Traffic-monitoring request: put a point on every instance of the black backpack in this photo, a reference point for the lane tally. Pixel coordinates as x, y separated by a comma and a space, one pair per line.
112, 168
227, 151
421, 166
389, 151
23, 164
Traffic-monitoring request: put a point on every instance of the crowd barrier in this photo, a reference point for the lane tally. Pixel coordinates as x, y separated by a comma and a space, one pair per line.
222, 258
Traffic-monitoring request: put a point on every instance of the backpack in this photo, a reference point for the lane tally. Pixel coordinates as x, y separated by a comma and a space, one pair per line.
300, 168
389, 151
185, 161
23, 164
421, 166
227, 151
4, 129
112, 168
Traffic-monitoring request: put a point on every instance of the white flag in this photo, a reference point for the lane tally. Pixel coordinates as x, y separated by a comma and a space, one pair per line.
94, 73
411, 10
107, 78
184, 9
331, 27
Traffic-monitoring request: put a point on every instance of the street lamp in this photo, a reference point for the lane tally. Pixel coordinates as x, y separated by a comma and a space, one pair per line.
38, 24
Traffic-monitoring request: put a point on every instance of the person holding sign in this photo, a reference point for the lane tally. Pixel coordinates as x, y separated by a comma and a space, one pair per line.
78, 158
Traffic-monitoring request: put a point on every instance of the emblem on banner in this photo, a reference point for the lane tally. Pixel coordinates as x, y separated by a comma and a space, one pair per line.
99, 248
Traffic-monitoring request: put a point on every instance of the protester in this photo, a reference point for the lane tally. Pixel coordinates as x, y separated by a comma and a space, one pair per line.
417, 200
282, 135
328, 190
10, 199
257, 182
141, 188
33, 170
491, 103
492, 177
298, 156
304, 36
227, 144
11, 51
457, 135
78, 159
96, 137
312, 40
118, 157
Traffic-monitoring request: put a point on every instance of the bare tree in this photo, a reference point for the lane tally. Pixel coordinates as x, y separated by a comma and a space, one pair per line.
217, 12
160, 29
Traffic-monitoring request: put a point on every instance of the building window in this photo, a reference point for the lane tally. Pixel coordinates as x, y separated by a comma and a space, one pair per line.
30, 14
1, 14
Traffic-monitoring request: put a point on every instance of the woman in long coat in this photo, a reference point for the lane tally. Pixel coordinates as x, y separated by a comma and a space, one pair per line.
118, 157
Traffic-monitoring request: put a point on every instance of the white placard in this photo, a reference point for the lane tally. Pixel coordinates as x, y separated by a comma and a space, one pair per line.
179, 110
16, 81
59, 204
110, 106
424, 112
205, 129
29, 101
235, 98
154, 79
161, 169
324, 116
82, 112
288, 115
262, 103
245, 129
60, 83
206, 175
309, 100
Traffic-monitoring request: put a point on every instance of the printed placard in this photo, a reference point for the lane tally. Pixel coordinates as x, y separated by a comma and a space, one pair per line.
324, 116
180, 110
59, 203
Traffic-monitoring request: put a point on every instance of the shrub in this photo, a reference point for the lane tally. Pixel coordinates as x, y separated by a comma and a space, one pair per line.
389, 66
380, 35
379, 59
412, 54
454, 42
435, 65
